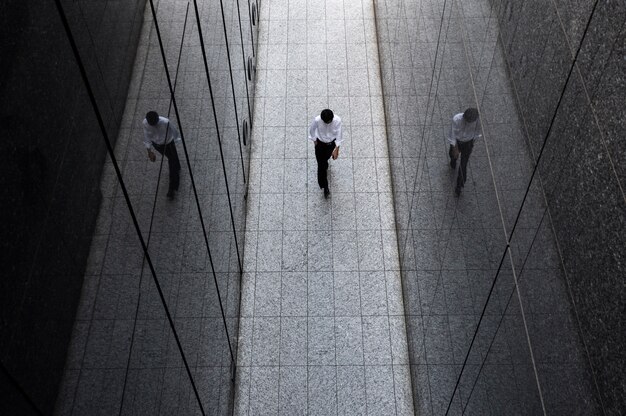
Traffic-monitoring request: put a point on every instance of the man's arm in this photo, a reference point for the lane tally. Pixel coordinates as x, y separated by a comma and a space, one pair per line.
454, 133
312, 129
147, 141
147, 135
338, 140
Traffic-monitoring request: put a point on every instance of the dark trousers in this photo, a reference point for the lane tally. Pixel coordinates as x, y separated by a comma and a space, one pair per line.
169, 150
465, 148
323, 152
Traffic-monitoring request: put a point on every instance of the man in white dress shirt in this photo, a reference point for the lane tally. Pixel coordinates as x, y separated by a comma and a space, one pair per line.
464, 130
325, 133
161, 134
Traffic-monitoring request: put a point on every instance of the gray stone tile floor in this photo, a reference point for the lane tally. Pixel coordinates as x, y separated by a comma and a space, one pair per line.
322, 322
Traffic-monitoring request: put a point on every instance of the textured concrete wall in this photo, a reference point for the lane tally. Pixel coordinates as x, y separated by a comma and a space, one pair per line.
582, 165
50, 179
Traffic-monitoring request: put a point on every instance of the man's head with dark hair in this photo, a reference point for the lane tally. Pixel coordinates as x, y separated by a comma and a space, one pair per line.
152, 117
327, 116
470, 115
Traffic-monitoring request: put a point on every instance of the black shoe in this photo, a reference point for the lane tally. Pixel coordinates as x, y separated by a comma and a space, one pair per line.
457, 191
170, 195
326, 192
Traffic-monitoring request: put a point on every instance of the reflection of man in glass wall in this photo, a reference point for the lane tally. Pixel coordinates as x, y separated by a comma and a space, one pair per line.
161, 134
325, 133
465, 128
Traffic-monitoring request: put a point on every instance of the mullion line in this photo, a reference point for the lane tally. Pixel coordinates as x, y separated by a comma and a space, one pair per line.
536, 232
417, 170
571, 69
19, 388
482, 364
448, 198
590, 102
425, 165
232, 86
191, 176
424, 149
251, 30
493, 284
142, 267
118, 172
483, 228
409, 229
479, 106
243, 58
217, 130
507, 235
428, 106
93, 45
225, 180
132, 338
560, 173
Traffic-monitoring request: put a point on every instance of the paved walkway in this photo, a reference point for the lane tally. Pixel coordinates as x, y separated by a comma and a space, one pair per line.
322, 329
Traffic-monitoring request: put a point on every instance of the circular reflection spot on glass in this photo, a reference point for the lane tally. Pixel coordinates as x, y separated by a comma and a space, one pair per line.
250, 68
245, 132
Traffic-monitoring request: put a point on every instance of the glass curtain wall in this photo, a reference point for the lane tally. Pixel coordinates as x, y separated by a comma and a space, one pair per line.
125, 301
493, 324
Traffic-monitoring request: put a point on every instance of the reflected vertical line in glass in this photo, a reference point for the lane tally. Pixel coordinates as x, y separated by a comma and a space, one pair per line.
232, 86
154, 204
19, 388
219, 141
547, 135
243, 58
251, 23
191, 175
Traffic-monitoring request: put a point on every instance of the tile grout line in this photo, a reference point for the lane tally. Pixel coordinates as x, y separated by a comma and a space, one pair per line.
264, 163
280, 297
308, 374
330, 202
411, 229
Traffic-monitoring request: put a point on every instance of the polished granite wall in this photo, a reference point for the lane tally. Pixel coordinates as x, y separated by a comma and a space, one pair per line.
124, 357
50, 177
582, 165
528, 355
83, 329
